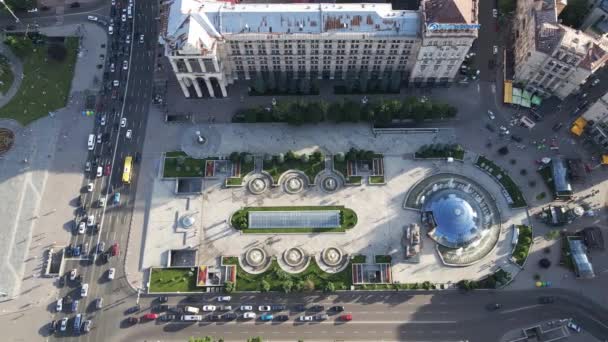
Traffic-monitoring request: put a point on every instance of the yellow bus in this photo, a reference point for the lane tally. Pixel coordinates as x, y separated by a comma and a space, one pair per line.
126, 173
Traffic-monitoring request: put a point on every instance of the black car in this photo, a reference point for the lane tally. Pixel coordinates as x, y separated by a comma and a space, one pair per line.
137, 157
493, 307
53, 326
299, 307
68, 251
168, 317
229, 316
281, 318
133, 309
160, 308
277, 307
317, 308
516, 138
163, 299
490, 128
557, 126
337, 308
105, 257
214, 318
546, 299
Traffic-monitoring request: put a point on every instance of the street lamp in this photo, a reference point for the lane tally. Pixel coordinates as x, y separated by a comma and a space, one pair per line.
10, 10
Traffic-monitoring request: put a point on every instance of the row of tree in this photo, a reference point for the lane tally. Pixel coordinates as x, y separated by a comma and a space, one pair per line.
380, 112
290, 156
440, 151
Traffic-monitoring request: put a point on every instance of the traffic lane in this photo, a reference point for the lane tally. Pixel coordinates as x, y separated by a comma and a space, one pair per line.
487, 38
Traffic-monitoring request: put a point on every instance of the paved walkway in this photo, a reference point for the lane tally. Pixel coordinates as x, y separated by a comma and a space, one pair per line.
17, 69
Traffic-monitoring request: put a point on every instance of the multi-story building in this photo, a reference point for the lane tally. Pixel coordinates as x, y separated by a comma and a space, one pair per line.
550, 58
212, 44
595, 122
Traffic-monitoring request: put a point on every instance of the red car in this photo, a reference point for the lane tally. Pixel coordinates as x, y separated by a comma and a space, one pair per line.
150, 316
347, 317
108, 169
115, 249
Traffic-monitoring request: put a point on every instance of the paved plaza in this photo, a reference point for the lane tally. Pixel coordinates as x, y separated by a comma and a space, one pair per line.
381, 216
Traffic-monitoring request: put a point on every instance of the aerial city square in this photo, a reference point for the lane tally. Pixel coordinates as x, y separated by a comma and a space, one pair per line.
282, 170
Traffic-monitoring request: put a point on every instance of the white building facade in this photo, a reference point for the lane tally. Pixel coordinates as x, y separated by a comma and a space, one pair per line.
212, 44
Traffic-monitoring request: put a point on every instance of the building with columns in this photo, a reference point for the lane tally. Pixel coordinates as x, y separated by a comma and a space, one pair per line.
213, 44
550, 58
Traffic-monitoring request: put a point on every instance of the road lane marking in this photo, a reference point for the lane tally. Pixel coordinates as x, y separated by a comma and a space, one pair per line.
521, 309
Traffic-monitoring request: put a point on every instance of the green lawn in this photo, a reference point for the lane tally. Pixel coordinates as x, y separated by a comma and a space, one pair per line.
173, 280
354, 180
246, 167
376, 179
348, 219
312, 278
440, 151
234, 181
45, 86
176, 154
310, 168
190, 168
6, 75
505, 180
340, 166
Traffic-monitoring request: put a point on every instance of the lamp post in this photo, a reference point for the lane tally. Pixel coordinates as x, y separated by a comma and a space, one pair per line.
10, 11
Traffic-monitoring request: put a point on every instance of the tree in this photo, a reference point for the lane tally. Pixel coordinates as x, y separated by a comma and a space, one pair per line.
385, 83
21, 45
265, 285
334, 112
293, 86
304, 158
315, 111
317, 156
395, 82
267, 157
329, 287
290, 156
296, 113
20, 5
351, 154
229, 287
280, 158
287, 285
57, 52
363, 78
508, 6
234, 157
304, 86
503, 150
259, 86
351, 111
201, 339
255, 339
340, 157
544, 263
308, 285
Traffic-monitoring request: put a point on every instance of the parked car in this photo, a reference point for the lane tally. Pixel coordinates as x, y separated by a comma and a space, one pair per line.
209, 308
99, 303
160, 308
90, 187
246, 308
163, 299
229, 316
123, 122
305, 318
76, 250
214, 318
226, 308
277, 307
59, 305
132, 320
129, 134
167, 317
111, 273
337, 308
573, 326
73, 273
595, 82
82, 227
516, 138
266, 317
321, 317
133, 309
317, 308
299, 307
75, 305
224, 298
86, 326
115, 249
264, 308
281, 318
491, 115
150, 316
249, 315
64, 324
84, 290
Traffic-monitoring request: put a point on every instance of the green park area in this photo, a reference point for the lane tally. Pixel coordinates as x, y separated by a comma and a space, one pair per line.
311, 164
173, 280
6, 75
311, 279
240, 220
48, 69
505, 180
522, 248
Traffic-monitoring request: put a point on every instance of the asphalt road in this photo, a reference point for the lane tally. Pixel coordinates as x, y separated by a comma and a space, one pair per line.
130, 100
392, 316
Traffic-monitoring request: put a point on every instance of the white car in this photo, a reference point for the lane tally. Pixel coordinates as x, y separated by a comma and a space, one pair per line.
99, 138
59, 305
73, 274
103, 120
33, 10
595, 82
84, 290
264, 308
90, 220
82, 228
90, 187
113, 2
102, 202
224, 298
209, 308
110, 29
87, 167
141, 38
116, 83
495, 49
249, 315
125, 65
64, 324
123, 122
128, 40
112, 69
92, 18
86, 326
99, 171
129, 134
305, 318
495, 13
491, 115
246, 308
574, 326
111, 273
123, 18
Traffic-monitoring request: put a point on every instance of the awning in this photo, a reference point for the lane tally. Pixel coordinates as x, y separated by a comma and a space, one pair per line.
581, 122
508, 92
578, 126
605, 159
526, 98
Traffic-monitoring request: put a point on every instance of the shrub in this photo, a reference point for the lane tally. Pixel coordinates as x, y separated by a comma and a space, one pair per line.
503, 150
229, 287
329, 287
544, 263
265, 286
287, 285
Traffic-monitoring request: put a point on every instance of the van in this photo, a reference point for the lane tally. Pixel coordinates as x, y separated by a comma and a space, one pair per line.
192, 310
91, 143
192, 318
129, 12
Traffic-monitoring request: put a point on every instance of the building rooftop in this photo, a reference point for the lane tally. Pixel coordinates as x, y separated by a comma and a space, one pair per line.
583, 267
220, 18
559, 173
451, 11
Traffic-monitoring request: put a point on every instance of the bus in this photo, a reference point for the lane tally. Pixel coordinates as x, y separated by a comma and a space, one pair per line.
126, 173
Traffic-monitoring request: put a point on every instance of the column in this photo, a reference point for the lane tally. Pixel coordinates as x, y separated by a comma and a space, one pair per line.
209, 87
182, 85
173, 65
188, 66
202, 65
197, 87
222, 85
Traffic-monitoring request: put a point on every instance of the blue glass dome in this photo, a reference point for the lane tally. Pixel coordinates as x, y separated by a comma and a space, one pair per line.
456, 217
